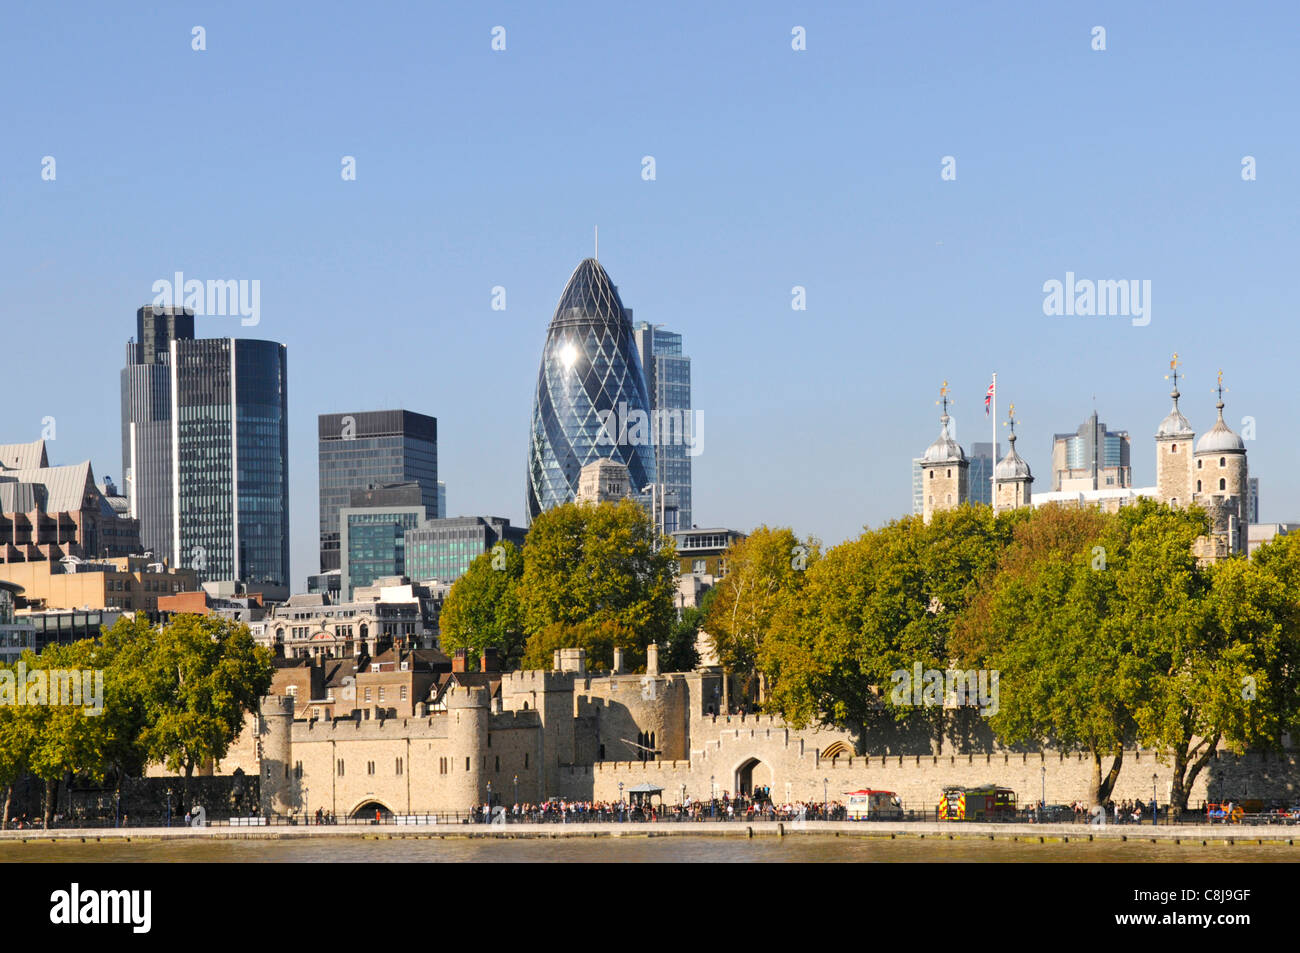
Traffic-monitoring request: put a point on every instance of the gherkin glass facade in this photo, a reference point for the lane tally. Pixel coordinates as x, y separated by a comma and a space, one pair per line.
591, 400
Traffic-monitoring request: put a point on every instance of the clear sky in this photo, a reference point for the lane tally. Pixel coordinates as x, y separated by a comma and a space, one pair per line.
773, 168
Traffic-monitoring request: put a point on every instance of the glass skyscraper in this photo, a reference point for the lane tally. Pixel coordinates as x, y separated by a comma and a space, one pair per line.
591, 399
980, 476
668, 381
365, 448
443, 549
205, 448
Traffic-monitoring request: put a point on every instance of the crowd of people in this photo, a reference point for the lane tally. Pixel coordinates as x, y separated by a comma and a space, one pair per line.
756, 807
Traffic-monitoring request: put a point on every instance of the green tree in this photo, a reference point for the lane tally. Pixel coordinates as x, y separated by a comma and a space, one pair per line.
19, 732
874, 606
763, 569
482, 608
597, 638
1074, 621
596, 563
1228, 666
197, 678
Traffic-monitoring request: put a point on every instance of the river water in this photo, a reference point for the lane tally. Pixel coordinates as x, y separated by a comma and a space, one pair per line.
623, 850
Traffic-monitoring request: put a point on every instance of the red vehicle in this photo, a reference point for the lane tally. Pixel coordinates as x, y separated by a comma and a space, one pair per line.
986, 803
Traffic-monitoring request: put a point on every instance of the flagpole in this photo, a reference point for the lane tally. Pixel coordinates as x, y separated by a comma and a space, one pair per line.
993, 448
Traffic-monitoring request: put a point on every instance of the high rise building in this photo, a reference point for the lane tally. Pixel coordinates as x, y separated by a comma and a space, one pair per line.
205, 448
442, 549
1252, 501
356, 450
1092, 458
591, 399
918, 486
442, 500
668, 382
372, 532
982, 460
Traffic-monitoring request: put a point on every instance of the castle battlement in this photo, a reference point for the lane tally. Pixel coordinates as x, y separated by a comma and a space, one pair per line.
536, 681
514, 719
352, 729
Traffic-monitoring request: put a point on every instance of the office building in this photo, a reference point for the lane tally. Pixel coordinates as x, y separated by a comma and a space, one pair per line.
1091, 458
668, 382
205, 448
982, 458
362, 448
591, 399
52, 513
443, 549
372, 532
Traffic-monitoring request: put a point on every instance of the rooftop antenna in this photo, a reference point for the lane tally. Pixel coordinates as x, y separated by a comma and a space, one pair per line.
597, 228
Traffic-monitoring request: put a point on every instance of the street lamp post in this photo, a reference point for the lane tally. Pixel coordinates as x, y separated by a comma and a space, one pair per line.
713, 798
488, 819
516, 790
1042, 803
169, 807
826, 800
1154, 816
620, 800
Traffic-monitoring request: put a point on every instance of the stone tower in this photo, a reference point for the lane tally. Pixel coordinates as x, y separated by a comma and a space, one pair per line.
1174, 452
1221, 485
1011, 476
944, 468
279, 790
467, 729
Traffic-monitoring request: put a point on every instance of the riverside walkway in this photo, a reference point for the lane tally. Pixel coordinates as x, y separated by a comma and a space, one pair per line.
1198, 834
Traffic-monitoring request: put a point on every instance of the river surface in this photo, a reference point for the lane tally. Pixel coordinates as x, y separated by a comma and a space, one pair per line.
624, 850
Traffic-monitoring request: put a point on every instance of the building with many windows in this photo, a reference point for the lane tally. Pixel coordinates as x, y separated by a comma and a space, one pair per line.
1091, 458
363, 448
443, 549
372, 532
130, 583
673, 422
591, 399
205, 448
51, 513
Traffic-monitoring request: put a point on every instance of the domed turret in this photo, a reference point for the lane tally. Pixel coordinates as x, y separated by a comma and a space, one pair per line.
944, 468
1221, 484
1012, 476
1174, 450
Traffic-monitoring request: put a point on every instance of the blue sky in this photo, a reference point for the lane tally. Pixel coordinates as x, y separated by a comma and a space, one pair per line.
774, 168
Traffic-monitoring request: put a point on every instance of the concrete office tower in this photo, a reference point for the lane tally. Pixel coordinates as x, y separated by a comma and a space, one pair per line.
205, 448
668, 382
361, 448
591, 399
1092, 458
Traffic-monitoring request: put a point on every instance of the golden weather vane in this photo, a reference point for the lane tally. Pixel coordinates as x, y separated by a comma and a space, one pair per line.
1221, 390
1174, 364
943, 397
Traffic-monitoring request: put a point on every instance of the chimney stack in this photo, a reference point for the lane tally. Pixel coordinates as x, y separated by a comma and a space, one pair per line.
489, 661
458, 661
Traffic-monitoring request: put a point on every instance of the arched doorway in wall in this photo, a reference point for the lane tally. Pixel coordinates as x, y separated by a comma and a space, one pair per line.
753, 775
366, 811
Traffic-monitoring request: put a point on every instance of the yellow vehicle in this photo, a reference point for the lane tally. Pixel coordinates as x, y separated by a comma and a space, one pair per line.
869, 804
986, 803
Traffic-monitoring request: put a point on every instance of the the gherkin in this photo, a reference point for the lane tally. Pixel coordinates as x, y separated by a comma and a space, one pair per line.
590, 386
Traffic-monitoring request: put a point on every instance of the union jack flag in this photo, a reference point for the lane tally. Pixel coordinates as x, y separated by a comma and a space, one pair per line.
988, 398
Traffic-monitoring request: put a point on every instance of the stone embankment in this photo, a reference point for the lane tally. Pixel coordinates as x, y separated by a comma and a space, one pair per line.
1200, 835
